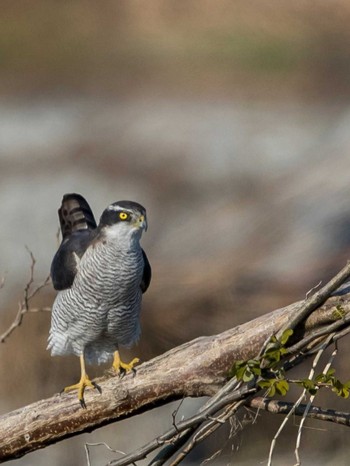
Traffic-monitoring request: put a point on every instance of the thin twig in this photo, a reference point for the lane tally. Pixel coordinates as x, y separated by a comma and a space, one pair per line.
297, 403
341, 334
331, 328
99, 444
309, 404
207, 430
175, 412
170, 450
195, 420
312, 303
30, 281
28, 294
176, 444
313, 289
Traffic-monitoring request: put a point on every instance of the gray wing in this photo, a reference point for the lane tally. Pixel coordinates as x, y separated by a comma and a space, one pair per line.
78, 227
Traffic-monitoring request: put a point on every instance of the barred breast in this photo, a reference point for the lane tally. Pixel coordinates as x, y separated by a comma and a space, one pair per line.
101, 310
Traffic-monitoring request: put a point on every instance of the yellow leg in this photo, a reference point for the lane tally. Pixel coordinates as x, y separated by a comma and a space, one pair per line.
82, 384
121, 367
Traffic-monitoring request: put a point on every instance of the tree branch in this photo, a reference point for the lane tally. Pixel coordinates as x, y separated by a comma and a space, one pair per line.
316, 300
197, 368
285, 407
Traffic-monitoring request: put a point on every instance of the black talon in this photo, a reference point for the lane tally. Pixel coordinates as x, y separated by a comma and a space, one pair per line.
98, 388
82, 403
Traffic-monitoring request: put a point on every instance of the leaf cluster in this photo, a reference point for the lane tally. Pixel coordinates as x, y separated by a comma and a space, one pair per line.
328, 380
269, 373
266, 368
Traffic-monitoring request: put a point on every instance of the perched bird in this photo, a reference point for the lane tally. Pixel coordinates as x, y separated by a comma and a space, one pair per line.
100, 272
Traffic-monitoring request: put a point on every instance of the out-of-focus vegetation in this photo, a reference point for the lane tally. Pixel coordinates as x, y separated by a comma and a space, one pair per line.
267, 46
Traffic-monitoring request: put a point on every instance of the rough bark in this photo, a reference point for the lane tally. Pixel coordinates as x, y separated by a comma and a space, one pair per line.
196, 368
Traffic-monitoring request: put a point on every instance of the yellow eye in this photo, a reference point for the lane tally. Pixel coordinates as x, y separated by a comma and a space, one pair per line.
123, 216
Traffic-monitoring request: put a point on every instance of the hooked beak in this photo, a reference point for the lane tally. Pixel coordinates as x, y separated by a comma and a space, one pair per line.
141, 222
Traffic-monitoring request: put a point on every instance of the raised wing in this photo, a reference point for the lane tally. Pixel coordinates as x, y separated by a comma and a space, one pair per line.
78, 227
75, 214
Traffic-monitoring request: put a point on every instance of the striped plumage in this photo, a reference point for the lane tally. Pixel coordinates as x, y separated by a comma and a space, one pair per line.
100, 272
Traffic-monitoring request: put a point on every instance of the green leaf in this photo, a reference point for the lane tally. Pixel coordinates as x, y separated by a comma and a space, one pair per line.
282, 387
248, 375
321, 378
256, 370
269, 385
309, 385
271, 391
286, 335
245, 370
347, 384
266, 383
240, 372
273, 355
238, 369
339, 388
272, 345
330, 372
253, 363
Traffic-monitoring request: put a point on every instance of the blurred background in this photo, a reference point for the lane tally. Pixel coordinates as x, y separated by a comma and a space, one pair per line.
229, 121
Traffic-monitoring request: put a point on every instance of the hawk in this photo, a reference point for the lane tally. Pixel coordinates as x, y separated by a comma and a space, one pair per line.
100, 272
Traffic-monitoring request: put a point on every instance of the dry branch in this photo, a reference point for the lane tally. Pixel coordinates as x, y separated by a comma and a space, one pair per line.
28, 294
285, 407
197, 368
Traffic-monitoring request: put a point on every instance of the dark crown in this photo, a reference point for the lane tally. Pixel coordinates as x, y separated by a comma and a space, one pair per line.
109, 216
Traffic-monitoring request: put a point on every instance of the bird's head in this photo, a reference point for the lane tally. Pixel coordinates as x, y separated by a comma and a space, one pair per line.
123, 219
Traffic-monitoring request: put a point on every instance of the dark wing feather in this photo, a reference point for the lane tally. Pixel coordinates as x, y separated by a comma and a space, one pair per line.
78, 230
147, 273
75, 214
66, 259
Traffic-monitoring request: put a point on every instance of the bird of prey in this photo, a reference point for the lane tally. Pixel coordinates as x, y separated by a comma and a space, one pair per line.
100, 272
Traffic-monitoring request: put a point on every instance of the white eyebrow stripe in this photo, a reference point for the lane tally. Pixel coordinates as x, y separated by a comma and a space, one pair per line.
118, 208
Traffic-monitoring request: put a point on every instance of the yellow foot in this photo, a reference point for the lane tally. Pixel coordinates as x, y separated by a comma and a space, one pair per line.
121, 367
80, 386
